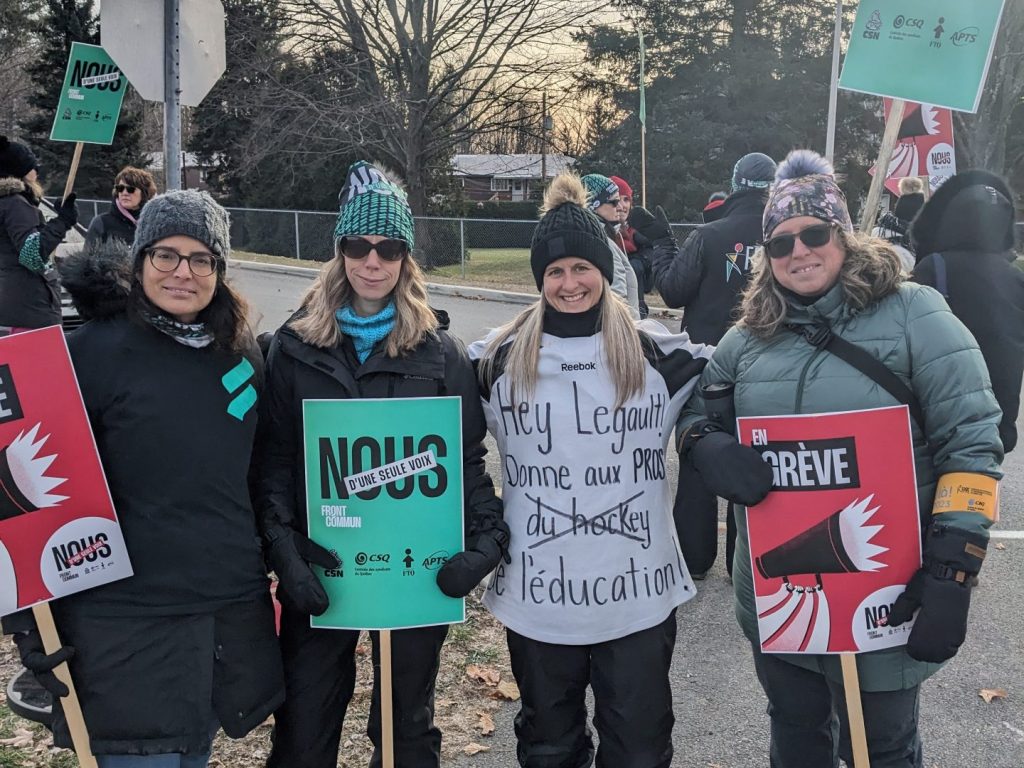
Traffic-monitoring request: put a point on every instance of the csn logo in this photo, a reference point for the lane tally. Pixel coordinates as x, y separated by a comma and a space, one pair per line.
436, 560
376, 557
966, 36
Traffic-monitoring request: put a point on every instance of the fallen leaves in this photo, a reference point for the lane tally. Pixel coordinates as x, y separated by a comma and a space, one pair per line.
473, 748
487, 675
22, 738
506, 690
1000, 546
988, 694
486, 724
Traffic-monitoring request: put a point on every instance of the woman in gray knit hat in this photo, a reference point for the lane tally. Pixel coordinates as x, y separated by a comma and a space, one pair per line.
170, 376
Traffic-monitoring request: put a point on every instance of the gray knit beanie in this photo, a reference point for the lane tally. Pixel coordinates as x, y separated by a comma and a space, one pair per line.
184, 212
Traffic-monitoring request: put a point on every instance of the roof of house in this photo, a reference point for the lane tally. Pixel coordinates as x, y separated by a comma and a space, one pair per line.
509, 166
156, 160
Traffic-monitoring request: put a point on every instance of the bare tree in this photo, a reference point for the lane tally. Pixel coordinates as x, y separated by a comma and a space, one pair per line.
16, 52
983, 139
437, 74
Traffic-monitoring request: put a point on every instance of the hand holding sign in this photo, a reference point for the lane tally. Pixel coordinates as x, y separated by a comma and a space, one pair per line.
465, 570
40, 663
290, 554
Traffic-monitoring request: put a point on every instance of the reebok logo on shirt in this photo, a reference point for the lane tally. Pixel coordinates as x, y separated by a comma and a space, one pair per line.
568, 367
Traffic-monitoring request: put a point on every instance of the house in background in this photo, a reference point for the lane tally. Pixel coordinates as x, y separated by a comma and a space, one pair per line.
507, 177
193, 170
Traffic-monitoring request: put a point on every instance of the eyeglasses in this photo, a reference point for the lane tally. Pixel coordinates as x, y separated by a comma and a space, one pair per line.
119, 188
613, 201
813, 237
201, 264
388, 250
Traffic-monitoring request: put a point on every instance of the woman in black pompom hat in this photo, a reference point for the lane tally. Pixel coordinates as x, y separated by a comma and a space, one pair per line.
29, 297
574, 392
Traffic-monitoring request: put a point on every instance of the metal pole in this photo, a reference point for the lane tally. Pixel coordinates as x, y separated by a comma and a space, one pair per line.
833, 91
172, 95
543, 141
462, 245
298, 252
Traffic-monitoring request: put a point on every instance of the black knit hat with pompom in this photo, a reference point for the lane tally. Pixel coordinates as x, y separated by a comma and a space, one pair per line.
567, 228
15, 159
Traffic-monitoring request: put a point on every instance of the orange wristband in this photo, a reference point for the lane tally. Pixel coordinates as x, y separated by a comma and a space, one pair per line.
967, 492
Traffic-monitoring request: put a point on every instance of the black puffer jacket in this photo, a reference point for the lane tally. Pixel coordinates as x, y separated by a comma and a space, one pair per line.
297, 371
28, 299
966, 231
707, 275
188, 641
112, 225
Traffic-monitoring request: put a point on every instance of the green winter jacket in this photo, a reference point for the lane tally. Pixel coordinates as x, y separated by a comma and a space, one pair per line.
915, 334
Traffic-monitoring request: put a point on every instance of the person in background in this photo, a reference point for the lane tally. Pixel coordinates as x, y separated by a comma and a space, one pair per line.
894, 225
29, 295
364, 330
604, 201
707, 277
577, 356
964, 238
186, 646
812, 272
636, 247
133, 188
713, 210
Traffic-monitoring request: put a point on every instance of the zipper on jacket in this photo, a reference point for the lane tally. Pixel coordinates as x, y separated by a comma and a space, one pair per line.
803, 378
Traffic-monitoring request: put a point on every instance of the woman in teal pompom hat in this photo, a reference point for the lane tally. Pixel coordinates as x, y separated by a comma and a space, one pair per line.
364, 330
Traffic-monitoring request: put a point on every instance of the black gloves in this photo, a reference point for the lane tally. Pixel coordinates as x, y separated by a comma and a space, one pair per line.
465, 570
653, 226
67, 211
289, 554
729, 469
39, 663
942, 590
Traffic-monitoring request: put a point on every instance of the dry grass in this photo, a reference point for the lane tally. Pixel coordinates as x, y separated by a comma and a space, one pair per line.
460, 700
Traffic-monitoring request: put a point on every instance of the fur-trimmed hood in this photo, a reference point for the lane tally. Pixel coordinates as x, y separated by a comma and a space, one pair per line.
11, 186
99, 278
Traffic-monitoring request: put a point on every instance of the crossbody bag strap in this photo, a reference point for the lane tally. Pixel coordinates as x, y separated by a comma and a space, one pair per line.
822, 337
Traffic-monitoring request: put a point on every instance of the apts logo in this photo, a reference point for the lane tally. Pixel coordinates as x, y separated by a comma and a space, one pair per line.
235, 380
966, 36
434, 561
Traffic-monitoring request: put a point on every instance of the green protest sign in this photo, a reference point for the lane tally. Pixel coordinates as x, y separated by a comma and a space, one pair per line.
90, 98
384, 492
931, 51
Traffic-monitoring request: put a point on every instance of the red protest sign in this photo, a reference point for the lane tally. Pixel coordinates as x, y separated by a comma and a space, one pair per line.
58, 529
838, 538
924, 146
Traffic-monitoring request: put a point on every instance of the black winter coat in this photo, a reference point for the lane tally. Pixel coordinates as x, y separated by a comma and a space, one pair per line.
28, 299
297, 371
111, 225
708, 274
188, 641
969, 223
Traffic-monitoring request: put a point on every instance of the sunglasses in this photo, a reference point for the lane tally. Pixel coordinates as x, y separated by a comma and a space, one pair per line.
119, 188
813, 237
613, 201
388, 250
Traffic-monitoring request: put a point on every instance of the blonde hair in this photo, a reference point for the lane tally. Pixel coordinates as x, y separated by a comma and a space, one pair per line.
623, 351
414, 319
871, 270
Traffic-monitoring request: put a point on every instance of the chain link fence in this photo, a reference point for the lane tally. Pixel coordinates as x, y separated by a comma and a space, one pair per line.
484, 250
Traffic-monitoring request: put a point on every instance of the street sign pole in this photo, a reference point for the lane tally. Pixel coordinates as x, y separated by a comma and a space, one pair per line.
833, 91
172, 95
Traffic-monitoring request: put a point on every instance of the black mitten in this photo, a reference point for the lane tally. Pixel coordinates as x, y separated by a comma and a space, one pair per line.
941, 589
289, 554
653, 226
40, 663
729, 469
67, 212
465, 570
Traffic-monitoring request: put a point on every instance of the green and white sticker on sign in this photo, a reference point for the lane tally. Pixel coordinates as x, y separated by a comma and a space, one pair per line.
932, 51
90, 98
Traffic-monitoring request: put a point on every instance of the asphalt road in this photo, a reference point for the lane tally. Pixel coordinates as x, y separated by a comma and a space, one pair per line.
719, 707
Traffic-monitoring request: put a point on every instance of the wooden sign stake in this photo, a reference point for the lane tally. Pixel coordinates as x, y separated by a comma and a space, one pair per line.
869, 212
854, 711
387, 727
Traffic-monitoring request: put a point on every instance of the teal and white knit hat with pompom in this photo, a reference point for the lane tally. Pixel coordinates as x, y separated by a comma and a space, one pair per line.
373, 204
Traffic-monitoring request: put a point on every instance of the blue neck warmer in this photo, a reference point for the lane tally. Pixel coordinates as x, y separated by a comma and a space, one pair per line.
366, 331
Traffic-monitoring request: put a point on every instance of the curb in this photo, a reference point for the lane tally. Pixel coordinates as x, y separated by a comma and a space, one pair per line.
440, 289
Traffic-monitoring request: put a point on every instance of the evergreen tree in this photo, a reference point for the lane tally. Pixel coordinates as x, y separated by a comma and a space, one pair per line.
62, 23
727, 77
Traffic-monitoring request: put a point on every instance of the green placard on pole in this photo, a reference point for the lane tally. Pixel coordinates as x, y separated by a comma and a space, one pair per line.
384, 493
931, 51
90, 98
